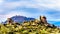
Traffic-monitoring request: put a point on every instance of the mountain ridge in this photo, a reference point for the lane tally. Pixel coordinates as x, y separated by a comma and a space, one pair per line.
20, 19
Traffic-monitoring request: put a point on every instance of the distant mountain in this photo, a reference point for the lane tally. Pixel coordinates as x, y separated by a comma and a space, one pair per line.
20, 19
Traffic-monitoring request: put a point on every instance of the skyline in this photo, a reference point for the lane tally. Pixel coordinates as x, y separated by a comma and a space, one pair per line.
30, 8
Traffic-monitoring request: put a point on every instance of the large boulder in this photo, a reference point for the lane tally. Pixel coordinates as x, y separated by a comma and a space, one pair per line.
43, 19
44, 22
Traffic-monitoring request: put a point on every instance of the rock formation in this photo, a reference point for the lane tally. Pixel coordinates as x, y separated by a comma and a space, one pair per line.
43, 19
44, 22
9, 20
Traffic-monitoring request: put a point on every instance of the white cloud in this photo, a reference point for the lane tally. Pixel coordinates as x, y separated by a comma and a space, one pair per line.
39, 4
1, 10
14, 13
52, 4
1, 1
55, 4
12, 5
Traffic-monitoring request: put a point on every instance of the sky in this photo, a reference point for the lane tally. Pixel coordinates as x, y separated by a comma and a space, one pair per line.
31, 8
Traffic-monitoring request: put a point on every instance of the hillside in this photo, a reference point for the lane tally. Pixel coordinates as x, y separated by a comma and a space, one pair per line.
29, 27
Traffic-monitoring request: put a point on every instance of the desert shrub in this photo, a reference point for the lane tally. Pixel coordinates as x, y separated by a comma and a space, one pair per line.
27, 28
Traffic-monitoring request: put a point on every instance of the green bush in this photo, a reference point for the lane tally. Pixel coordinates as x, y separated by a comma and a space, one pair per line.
27, 28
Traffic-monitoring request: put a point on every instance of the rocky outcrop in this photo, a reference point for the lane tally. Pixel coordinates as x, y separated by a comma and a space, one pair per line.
9, 20
44, 22
43, 19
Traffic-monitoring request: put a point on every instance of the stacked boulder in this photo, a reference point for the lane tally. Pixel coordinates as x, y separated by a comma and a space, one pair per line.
44, 22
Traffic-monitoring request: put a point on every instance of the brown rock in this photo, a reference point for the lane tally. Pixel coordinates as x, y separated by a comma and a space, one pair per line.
9, 20
43, 19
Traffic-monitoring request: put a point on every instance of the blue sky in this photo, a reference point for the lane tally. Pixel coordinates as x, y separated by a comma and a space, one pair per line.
31, 8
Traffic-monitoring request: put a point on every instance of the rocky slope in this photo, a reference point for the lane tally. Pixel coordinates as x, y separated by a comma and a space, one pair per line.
29, 27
